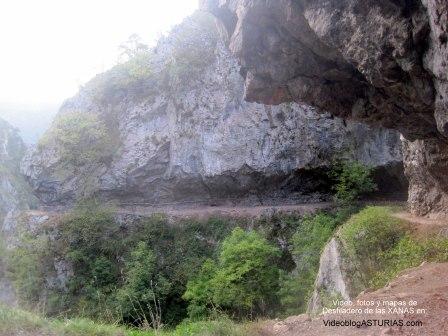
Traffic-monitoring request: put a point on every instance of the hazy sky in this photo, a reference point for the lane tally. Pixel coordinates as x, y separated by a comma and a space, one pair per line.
50, 47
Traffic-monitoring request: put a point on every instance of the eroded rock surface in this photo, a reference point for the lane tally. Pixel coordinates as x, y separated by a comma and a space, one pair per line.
380, 62
330, 282
426, 165
14, 196
201, 141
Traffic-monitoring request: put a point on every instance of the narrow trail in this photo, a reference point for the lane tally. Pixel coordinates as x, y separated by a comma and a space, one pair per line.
424, 226
200, 211
232, 209
236, 211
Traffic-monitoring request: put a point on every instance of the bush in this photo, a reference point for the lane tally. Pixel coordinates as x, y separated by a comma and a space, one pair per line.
370, 233
80, 139
140, 297
26, 269
307, 244
199, 291
244, 280
91, 241
116, 269
352, 180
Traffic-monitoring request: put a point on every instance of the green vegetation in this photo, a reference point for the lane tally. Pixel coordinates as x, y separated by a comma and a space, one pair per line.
382, 245
160, 276
143, 73
80, 139
132, 76
154, 274
194, 49
243, 281
29, 269
409, 252
351, 181
13, 321
368, 234
307, 245
136, 275
139, 297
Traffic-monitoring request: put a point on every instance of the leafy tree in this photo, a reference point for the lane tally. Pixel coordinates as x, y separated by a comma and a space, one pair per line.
245, 280
80, 138
137, 65
89, 238
199, 292
140, 297
133, 47
352, 180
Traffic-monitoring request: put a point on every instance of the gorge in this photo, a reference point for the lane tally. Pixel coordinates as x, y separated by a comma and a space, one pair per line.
251, 167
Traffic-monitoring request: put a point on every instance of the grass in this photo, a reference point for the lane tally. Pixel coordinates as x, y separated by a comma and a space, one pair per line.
410, 252
19, 322
382, 245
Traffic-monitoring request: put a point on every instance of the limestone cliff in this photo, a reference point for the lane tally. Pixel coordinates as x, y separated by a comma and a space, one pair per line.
13, 189
184, 133
337, 278
381, 62
14, 196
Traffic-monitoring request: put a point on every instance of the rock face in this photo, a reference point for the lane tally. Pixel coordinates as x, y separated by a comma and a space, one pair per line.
200, 141
13, 190
380, 62
14, 196
426, 165
329, 278
337, 278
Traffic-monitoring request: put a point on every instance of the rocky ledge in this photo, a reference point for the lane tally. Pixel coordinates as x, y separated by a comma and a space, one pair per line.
380, 62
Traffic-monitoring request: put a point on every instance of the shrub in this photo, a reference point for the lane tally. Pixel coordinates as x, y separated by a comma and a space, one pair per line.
352, 180
80, 139
26, 269
199, 292
307, 244
91, 241
245, 279
370, 233
139, 299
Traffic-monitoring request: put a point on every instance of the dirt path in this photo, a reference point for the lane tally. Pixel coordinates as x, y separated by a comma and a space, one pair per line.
200, 211
204, 212
425, 226
427, 285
